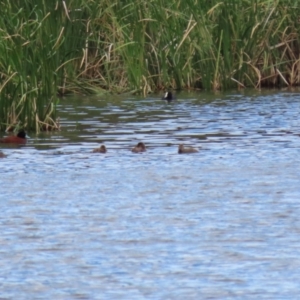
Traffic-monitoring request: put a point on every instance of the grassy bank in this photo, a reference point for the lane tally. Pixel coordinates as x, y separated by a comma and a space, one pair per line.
47, 50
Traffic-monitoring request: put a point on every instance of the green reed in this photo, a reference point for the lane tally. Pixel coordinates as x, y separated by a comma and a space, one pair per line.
207, 44
50, 49
33, 63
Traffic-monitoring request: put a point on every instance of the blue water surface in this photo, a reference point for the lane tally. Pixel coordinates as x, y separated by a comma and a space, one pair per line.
222, 223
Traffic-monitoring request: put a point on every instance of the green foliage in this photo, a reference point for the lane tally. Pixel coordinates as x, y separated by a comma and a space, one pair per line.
158, 44
53, 48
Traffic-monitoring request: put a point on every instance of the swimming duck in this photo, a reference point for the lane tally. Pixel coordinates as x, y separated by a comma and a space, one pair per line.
140, 147
20, 138
101, 149
168, 96
182, 149
2, 155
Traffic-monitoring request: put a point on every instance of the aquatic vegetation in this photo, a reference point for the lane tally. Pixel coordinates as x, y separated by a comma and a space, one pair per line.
50, 49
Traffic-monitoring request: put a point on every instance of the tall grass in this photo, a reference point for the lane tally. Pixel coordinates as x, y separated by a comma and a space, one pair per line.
149, 45
54, 48
39, 50
213, 44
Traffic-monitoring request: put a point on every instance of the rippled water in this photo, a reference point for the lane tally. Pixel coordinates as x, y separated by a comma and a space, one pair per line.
219, 224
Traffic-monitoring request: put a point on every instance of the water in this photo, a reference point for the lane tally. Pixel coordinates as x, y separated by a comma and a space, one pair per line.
219, 224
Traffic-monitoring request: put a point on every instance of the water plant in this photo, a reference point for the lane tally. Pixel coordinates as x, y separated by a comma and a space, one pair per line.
53, 48
40, 47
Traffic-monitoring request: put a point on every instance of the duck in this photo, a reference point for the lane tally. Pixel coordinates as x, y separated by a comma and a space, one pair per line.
182, 149
101, 149
168, 96
2, 155
20, 138
140, 147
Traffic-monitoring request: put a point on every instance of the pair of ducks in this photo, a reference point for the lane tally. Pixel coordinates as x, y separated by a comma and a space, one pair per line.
140, 147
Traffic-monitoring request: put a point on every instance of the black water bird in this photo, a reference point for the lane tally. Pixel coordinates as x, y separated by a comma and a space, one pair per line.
168, 96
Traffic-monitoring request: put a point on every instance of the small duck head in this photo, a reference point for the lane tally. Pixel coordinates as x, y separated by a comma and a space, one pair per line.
21, 134
141, 146
102, 149
180, 148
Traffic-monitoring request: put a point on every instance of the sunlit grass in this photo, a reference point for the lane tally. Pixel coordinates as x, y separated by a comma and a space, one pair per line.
51, 49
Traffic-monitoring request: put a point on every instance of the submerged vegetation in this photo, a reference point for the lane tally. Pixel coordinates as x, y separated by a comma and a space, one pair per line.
57, 47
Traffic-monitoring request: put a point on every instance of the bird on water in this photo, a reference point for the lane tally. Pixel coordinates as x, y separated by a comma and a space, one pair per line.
168, 96
182, 149
140, 147
20, 138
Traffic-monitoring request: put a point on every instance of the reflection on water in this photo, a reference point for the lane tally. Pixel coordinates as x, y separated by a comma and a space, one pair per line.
219, 224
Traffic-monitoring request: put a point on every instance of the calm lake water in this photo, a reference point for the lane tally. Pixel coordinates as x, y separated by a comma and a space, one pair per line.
219, 224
